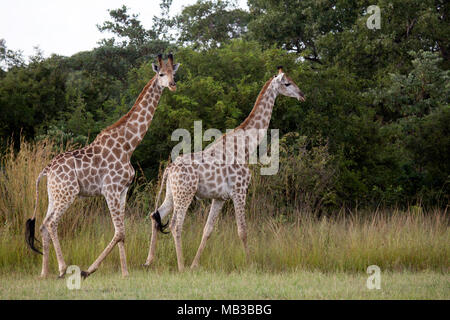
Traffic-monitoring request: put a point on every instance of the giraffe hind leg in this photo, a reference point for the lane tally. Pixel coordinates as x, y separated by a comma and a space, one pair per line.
180, 213
51, 225
151, 251
157, 225
45, 249
46, 239
61, 195
180, 209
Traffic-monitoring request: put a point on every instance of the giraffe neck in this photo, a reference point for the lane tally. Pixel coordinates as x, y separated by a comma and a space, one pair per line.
259, 117
248, 135
129, 130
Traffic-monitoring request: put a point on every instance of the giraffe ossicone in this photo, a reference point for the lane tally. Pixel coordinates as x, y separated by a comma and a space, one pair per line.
101, 168
205, 175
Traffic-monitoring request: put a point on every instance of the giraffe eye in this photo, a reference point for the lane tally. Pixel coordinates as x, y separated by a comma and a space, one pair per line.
161, 74
287, 84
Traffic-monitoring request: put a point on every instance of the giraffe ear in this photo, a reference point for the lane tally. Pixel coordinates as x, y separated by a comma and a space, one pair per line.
155, 67
175, 67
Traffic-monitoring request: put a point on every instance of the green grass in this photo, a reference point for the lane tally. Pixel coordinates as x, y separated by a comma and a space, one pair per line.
308, 259
396, 242
294, 254
236, 285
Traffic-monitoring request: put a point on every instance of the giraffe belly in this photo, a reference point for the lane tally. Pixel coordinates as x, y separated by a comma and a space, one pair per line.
90, 185
90, 189
206, 190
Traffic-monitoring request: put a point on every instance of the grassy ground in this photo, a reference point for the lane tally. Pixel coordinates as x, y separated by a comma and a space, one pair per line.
310, 259
294, 253
219, 285
395, 243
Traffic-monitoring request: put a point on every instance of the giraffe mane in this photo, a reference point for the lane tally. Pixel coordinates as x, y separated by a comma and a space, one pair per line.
136, 104
223, 138
258, 100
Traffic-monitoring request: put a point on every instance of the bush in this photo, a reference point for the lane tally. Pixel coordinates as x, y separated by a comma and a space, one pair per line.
306, 177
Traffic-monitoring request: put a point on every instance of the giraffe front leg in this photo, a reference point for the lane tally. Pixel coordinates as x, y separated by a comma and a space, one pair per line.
216, 206
121, 244
116, 205
118, 236
123, 259
239, 208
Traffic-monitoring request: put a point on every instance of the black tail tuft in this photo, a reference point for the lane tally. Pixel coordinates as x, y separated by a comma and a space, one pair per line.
161, 227
29, 234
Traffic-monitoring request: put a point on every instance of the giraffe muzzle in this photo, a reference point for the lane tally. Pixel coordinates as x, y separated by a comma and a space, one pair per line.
301, 97
172, 86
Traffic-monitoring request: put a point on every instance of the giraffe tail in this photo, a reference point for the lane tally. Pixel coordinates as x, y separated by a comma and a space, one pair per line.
156, 216
30, 225
161, 227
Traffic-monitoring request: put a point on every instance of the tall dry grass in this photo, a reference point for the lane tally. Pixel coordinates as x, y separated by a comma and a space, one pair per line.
280, 238
18, 173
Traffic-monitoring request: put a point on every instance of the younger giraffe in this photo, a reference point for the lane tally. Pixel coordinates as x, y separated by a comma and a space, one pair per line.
101, 168
206, 176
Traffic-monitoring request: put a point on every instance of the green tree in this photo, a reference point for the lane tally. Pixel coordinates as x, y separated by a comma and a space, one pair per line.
209, 23
127, 27
415, 109
131, 45
31, 95
297, 25
9, 58
405, 25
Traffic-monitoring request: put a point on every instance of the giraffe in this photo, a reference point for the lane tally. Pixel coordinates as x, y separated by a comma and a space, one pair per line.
205, 175
101, 168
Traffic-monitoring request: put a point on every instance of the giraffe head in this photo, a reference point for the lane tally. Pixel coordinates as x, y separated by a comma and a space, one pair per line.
165, 72
286, 86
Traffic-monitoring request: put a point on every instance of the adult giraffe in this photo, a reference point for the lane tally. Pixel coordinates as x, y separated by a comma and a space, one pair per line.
206, 174
101, 168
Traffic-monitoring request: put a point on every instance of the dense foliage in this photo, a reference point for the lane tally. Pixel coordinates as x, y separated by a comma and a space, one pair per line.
376, 116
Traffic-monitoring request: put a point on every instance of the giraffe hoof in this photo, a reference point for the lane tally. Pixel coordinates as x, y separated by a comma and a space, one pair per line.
84, 274
61, 276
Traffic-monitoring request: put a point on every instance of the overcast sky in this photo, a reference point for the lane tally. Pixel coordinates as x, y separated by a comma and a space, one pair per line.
66, 27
